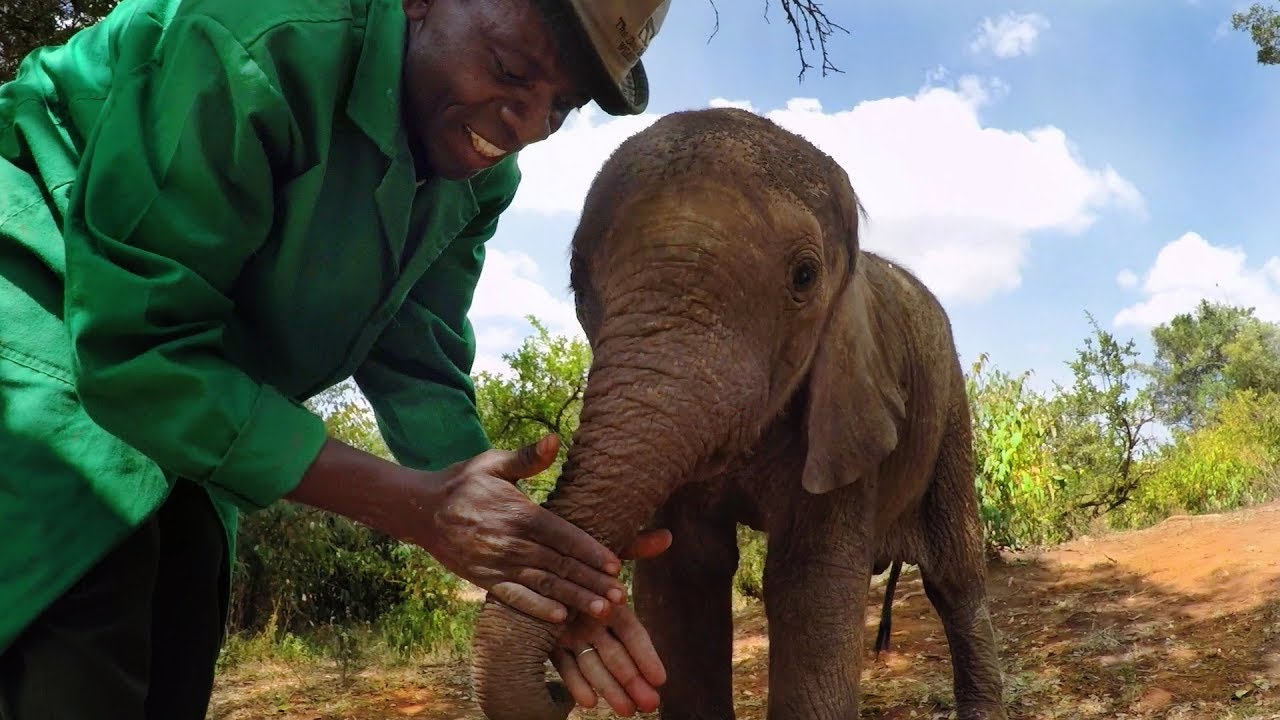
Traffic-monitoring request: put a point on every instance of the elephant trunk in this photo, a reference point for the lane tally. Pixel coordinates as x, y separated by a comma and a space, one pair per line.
642, 433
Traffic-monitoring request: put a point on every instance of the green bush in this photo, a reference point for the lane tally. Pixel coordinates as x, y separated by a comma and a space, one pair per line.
430, 615
1226, 464
748, 580
1021, 490
307, 572
304, 575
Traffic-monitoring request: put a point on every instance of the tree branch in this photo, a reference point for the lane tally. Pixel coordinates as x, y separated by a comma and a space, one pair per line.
513, 419
564, 407
715, 29
815, 20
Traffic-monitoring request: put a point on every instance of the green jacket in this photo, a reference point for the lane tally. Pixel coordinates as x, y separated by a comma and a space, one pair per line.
208, 214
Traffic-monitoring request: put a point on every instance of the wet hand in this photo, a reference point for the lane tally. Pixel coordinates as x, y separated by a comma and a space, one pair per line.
484, 529
614, 658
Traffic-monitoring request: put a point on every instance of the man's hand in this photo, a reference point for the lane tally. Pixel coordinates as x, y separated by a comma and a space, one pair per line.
614, 658
474, 520
480, 526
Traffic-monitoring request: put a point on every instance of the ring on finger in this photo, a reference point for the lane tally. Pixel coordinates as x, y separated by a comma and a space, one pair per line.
589, 648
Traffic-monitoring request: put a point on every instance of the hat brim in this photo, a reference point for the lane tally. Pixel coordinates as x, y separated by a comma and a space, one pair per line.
631, 96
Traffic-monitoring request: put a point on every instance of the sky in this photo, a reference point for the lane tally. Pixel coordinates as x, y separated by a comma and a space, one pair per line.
1031, 162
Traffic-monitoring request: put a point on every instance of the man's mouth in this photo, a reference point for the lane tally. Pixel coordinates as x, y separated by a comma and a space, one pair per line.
483, 146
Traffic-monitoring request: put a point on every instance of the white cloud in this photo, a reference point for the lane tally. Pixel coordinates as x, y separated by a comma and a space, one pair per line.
1127, 279
740, 104
1190, 269
1009, 35
508, 291
557, 171
953, 199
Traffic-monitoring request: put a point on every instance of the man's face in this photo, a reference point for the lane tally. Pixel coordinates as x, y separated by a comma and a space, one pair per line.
483, 79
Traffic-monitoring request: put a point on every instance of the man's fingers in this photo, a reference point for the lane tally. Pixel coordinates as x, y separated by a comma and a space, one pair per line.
568, 539
528, 460
592, 581
529, 602
563, 591
648, 544
639, 647
581, 690
600, 673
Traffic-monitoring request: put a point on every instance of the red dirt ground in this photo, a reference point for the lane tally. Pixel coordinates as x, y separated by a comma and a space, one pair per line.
1181, 620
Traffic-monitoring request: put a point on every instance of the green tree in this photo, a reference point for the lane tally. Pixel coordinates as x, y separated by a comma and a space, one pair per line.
1103, 416
349, 417
1253, 358
541, 394
1263, 24
1203, 356
28, 24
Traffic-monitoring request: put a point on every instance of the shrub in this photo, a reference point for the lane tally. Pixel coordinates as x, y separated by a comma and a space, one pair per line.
1021, 490
1225, 464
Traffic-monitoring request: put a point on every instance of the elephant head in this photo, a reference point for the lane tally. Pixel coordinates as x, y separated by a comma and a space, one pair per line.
716, 274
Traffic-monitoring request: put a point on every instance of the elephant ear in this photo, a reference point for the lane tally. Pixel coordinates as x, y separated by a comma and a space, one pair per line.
856, 405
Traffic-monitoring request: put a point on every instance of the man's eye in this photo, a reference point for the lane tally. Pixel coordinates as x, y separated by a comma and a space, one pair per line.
506, 73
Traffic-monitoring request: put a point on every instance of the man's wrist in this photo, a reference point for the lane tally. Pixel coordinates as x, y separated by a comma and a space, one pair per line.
365, 488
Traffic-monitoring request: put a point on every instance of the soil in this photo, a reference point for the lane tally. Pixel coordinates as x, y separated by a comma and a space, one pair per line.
1181, 620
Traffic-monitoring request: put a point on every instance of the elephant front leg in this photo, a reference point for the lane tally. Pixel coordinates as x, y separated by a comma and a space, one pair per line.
815, 591
684, 599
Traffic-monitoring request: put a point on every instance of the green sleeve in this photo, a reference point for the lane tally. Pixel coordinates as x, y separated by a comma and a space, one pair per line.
418, 375
176, 193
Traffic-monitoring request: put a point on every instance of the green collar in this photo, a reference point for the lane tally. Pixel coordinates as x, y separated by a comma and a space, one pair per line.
374, 103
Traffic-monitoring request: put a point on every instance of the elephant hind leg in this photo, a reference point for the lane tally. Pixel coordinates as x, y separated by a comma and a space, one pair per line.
953, 568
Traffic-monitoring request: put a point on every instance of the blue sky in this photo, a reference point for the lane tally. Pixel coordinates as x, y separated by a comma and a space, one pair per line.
1030, 161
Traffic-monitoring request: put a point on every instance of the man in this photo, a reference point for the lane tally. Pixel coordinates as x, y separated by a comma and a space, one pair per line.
210, 210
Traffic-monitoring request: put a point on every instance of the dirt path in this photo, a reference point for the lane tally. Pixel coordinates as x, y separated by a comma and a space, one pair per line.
1178, 621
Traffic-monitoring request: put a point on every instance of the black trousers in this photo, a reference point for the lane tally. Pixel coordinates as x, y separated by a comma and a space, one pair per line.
137, 637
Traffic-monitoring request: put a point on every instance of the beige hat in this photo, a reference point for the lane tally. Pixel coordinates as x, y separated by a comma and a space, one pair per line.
618, 32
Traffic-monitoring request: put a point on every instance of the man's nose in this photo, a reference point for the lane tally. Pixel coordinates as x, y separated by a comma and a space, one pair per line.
529, 119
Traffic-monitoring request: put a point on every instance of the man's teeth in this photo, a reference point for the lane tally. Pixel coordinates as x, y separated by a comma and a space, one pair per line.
484, 147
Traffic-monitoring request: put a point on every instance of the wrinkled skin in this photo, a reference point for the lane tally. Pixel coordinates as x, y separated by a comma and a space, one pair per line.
752, 365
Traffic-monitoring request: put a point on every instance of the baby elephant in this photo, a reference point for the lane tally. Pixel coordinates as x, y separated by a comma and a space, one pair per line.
751, 364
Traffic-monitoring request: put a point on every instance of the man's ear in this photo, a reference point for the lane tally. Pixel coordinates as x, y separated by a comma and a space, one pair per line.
856, 405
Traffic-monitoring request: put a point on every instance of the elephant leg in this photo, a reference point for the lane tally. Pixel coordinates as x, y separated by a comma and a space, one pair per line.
684, 599
954, 573
815, 587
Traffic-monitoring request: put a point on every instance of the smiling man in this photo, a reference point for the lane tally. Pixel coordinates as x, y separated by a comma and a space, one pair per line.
211, 210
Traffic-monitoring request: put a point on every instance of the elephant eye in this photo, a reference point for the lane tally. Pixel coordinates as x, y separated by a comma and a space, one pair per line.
803, 275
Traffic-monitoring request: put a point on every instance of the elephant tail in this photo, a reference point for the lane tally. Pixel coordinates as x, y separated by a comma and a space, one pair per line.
886, 611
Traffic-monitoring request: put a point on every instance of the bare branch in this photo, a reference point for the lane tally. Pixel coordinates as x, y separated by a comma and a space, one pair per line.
815, 20
715, 29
